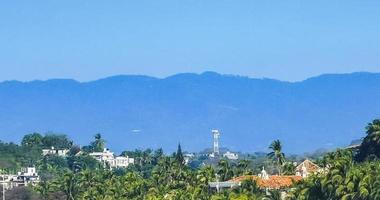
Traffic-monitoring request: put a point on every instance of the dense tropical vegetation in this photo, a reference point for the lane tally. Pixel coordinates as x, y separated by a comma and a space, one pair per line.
352, 174
277, 154
349, 174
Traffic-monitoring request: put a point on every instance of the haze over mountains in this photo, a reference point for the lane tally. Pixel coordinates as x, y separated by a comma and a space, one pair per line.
139, 111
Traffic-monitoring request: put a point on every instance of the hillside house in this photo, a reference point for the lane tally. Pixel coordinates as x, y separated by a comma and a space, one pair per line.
270, 182
231, 156
108, 157
53, 151
188, 157
307, 168
25, 177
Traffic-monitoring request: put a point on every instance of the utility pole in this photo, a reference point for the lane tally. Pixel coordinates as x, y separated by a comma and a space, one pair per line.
217, 183
3, 187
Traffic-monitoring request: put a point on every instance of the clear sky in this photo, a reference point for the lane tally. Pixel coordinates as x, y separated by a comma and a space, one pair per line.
287, 40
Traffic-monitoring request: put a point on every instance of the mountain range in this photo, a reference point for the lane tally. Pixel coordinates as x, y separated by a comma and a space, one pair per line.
132, 111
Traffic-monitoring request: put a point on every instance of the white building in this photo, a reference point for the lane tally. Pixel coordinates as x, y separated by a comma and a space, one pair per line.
306, 168
188, 157
53, 151
28, 175
25, 177
263, 175
28, 171
231, 156
108, 157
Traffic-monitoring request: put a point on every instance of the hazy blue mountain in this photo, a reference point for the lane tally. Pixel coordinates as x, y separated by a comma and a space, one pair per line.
139, 111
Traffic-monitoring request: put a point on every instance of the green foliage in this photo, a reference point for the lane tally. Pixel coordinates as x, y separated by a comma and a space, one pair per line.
168, 179
273, 195
58, 141
82, 162
288, 168
144, 160
225, 170
370, 147
277, 154
344, 179
179, 155
29, 153
98, 144
249, 187
347, 175
243, 168
13, 156
32, 140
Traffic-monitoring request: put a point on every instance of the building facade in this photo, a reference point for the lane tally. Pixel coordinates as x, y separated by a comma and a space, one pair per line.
231, 156
53, 151
24, 177
307, 168
108, 158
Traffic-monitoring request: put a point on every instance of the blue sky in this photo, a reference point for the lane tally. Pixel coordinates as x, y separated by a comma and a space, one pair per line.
287, 40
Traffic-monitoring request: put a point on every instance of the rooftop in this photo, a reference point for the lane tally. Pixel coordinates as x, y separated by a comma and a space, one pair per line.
273, 182
308, 165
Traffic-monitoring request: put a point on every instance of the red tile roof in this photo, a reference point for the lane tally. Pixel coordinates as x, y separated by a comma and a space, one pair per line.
274, 182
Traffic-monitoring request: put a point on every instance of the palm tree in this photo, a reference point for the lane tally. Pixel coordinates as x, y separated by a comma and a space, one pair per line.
99, 143
205, 175
225, 171
273, 195
157, 155
147, 156
243, 167
288, 168
277, 154
44, 188
69, 185
249, 186
345, 179
371, 143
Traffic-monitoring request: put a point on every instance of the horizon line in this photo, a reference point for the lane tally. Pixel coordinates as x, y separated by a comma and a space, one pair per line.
184, 73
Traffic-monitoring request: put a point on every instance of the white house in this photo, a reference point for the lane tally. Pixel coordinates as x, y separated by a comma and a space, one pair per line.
231, 156
113, 161
188, 157
53, 151
306, 168
24, 177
